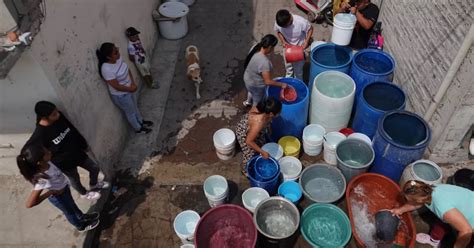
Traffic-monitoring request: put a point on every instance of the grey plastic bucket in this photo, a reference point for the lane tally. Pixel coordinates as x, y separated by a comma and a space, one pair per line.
322, 183
354, 157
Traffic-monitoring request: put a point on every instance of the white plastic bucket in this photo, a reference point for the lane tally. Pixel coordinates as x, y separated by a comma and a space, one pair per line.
342, 29
360, 136
216, 190
290, 168
187, 2
313, 135
331, 140
224, 142
252, 197
332, 98
174, 23
184, 225
187, 246
274, 149
422, 170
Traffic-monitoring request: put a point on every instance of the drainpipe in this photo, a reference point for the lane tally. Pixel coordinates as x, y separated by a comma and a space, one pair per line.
453, 69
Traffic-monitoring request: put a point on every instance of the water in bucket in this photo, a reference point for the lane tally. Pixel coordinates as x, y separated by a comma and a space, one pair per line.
278, 223
373, 65
323, 189
331, 56
426, 171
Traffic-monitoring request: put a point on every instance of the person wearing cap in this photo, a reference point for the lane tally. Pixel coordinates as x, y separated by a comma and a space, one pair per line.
137, 54
69, 148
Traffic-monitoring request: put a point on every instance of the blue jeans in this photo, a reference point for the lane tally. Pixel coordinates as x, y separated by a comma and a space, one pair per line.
66, 204
75, 179
126, 103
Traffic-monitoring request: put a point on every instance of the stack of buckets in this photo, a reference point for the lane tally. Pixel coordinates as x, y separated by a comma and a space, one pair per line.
313, 136
216, 190
185, 224
224, 142
331, 140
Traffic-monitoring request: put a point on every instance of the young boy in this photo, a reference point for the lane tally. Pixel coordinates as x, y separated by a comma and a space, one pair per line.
293, 30
136, 53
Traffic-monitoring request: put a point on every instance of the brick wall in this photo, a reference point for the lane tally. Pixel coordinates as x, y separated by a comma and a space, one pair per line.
424, 36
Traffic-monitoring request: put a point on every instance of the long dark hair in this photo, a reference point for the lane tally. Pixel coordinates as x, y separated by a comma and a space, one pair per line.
269, 105
103, 53
267, 41
28, 161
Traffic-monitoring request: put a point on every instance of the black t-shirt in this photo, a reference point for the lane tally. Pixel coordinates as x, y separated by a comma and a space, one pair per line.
361, 36
63, 140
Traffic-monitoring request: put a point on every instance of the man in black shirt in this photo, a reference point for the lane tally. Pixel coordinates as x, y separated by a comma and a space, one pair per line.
68, 147
367, 14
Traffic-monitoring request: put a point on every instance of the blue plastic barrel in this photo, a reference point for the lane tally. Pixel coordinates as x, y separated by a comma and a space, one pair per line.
371, 65
269, 185
374, 101
329, 57
294, 115
401, 138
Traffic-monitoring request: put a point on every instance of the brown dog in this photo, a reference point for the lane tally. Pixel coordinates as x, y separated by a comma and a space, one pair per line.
194, 70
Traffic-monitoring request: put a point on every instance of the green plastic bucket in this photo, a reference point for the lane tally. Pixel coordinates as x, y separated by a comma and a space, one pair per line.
325, 225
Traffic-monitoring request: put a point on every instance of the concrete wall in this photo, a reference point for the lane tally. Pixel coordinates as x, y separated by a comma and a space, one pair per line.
62, 61
424, 37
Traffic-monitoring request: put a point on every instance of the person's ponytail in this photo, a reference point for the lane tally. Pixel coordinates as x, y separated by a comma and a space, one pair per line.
28, 161
267, 41
252, 52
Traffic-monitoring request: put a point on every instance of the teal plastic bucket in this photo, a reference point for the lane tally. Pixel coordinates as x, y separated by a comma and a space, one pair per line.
325, 225
291, 191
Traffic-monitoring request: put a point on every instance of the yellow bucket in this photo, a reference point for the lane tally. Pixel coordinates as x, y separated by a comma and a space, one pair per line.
291, 145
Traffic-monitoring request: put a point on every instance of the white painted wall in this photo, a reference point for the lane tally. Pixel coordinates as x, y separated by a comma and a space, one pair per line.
61, 66
24, 85
424, 37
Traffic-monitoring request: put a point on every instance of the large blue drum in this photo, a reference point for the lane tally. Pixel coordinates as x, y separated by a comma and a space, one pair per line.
401, 138
294, 115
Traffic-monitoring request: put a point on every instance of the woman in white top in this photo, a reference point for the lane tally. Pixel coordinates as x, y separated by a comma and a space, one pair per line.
50, 183
121, 85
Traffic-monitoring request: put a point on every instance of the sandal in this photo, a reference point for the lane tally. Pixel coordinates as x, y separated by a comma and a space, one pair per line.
424, 238
244, 173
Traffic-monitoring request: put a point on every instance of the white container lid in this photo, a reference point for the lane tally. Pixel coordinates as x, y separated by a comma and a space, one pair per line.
173, 9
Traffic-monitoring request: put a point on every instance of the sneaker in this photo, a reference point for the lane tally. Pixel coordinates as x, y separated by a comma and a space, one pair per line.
424, 238
246, 104
91, 195
100, 185
89, 227
147, 123
91, 216
143, 130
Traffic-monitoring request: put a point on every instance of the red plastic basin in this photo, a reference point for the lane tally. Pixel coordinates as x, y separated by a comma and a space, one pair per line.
226, 226
379, 192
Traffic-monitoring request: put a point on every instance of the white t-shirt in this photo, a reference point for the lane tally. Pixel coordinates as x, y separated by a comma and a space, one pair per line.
56, 181
295, 34
136, 49
118, 71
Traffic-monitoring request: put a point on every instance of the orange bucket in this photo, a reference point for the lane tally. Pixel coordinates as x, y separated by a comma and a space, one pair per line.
288, 94
294, 53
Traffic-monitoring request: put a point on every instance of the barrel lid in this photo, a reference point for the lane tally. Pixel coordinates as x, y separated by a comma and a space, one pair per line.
173, 9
